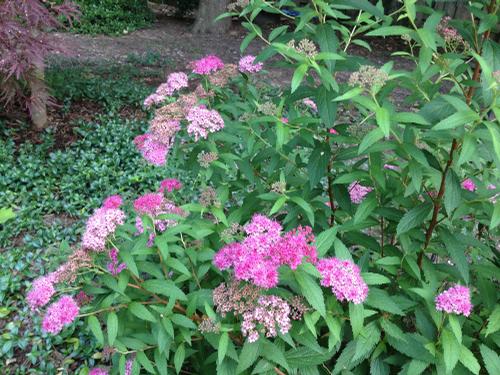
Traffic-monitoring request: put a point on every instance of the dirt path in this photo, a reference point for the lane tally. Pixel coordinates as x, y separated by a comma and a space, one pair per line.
172, 39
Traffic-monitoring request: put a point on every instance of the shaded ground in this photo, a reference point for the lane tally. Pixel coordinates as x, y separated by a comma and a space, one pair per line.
173, 40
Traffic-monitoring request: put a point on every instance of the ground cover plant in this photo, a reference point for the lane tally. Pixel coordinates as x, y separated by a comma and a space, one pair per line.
314, 246
112, 16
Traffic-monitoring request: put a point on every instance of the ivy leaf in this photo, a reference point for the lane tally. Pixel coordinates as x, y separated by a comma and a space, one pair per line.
413, 218
311, 291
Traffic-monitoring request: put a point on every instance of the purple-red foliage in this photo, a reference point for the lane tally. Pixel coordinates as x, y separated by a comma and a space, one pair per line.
24, 41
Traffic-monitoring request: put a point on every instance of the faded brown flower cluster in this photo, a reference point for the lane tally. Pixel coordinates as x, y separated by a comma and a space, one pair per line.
368, 77
304, 47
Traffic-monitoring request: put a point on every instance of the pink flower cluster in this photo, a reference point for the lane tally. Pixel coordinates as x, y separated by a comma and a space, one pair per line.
203, 121
308, 102
270, 313
102, 223
114, 267
113, 201
175, 82
149, 204
154, 204
41, 292
264, 249
153, 151
455, 300
206, 65
170, 184
469, 185
59, 314
247, 64
358, 192
344, 277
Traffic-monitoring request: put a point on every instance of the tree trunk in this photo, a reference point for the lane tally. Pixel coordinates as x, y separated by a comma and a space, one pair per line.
208, 11
39, 97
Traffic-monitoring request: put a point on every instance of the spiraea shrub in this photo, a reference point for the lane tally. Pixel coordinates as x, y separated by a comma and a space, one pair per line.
311, 245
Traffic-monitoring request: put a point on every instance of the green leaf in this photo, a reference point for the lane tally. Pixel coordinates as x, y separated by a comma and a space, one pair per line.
456, 249
317, 165
495, 136
356, 316
365, 209
372, 137
141, 312
166, 288
145, 362
311, 291
349, 94
389, 30
493, 321
452, 195
129, 261
177, 265
457, 119
451, 349
325, 240
490, 359
413, 218
278, 205
381, 300
277, 32
341, 251
6, 214
222, 347
247, 40
326, 107
112, 326
455, 327
362, 5
383, 120
95, 327
298, 76
306, 207
180, 355
248, 355
375, 278
272, 353
468, 359
495, 217
183, 321
328, 42
392, 329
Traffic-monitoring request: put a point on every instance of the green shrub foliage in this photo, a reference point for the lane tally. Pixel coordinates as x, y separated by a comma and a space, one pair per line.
320, 242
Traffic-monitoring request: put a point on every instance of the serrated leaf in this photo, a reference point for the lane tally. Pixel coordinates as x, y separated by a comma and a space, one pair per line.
451, 349
452, 195
389, 30
349, 94
298, 76
457, 119
272, 353
468, 359
491, 360
248, 356
381, 300
166, 288
392, 330
145, 362
183, 321
371, 278
414, 218
356, 316
311, 291
180, 355
306, 207
383, 120
371, 138
325, 240
456, 249
222, 347
317, 165
278, 205
95, 327
493, 321
455, 327
112, 327
141, 312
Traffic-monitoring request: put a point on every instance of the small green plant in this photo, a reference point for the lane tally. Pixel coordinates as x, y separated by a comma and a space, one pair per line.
112, 17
